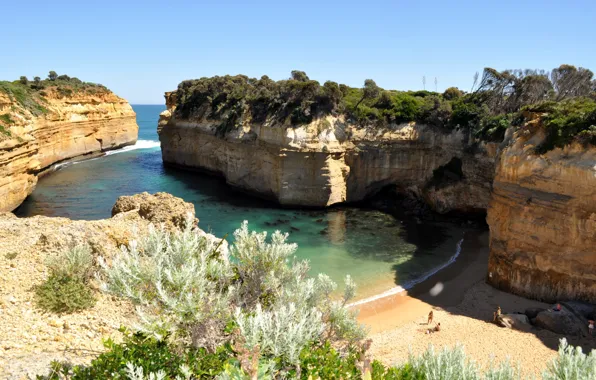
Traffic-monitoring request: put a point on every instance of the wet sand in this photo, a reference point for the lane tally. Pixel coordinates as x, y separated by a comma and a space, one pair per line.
463, 303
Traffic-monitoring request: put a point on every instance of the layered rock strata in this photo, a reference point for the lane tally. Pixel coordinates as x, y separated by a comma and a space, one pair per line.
330, 161
73, 126
542, 220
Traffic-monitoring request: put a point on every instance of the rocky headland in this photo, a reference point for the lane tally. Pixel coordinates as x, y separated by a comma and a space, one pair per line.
45, 123
330, 160
302, 144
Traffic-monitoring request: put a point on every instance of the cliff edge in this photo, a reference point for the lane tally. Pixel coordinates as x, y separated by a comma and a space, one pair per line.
542, 220
331, 160
51, 121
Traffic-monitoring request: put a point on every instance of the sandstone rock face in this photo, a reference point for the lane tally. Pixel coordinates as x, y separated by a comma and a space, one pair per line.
74, 126
542, 220
330, 161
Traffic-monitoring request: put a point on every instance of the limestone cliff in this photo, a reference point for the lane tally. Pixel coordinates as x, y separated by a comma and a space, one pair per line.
331, 161
34, 136
542, 219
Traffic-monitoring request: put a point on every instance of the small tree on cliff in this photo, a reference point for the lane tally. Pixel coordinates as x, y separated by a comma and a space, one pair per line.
369, 91
52, 75
23, 80
36, 83
300, 76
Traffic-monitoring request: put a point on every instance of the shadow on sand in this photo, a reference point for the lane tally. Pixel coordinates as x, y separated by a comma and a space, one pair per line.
461, 289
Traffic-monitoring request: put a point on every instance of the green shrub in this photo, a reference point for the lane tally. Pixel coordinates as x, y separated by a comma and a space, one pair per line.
324, 362
66, 289
567, 121
60, 294
147, 353
492, 128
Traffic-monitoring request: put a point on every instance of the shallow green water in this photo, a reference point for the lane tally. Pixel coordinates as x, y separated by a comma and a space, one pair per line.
377, 250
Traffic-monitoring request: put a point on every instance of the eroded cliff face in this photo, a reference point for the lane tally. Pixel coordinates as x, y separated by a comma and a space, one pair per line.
70, 127
330, 161
542, 219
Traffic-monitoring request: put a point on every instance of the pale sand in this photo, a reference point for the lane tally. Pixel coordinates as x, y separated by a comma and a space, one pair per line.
464, 308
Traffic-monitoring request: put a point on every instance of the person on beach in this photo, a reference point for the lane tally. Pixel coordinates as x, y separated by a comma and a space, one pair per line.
497, 314
591, 327
437, 328
430, 318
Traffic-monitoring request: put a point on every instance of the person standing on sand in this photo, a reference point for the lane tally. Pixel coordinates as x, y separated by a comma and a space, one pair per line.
591, 327
430, 318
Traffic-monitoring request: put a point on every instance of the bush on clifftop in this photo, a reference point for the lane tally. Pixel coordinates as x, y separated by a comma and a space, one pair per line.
30, 95
495, 100
66, 290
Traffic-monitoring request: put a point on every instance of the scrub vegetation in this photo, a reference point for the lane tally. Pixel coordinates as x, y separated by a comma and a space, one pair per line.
498, 100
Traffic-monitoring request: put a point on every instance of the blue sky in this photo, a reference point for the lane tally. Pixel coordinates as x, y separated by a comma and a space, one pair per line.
140, 49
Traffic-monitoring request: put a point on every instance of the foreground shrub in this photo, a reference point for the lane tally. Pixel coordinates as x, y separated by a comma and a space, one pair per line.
143, 357
445, 364
189, 290
64, 295
571, 364
67, 290
145, 354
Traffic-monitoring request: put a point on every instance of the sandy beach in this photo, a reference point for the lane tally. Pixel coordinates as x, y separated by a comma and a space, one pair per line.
463, 303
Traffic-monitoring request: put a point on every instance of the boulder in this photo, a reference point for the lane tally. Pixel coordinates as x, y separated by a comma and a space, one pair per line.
532, 312
583, 309
564, 322
514, 321
159, 209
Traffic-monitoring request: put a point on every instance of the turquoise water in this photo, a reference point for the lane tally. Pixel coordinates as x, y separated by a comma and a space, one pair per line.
376, 249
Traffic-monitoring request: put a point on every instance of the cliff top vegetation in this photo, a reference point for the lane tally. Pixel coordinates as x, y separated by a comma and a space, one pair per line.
32, 95
496, 101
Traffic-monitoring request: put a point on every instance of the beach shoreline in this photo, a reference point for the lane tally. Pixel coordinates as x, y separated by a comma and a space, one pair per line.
463, 303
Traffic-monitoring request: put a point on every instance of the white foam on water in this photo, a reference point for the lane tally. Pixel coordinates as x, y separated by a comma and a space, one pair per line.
398, 289
141, 144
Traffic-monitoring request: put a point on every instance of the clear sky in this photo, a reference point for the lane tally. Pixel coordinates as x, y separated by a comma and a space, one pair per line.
139, 49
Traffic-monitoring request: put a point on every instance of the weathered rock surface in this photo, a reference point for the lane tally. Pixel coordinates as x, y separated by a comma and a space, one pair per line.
159, 209
542, 220
532, 312
29, 338
73, 126
515, 321
565, 322
331, 161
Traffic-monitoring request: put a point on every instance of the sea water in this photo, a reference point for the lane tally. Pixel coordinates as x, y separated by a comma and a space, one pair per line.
381, 253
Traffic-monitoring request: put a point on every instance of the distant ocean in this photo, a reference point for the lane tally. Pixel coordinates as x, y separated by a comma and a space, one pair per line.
381, 253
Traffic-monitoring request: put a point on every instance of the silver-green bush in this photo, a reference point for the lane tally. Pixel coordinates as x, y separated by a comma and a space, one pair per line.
185, 288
